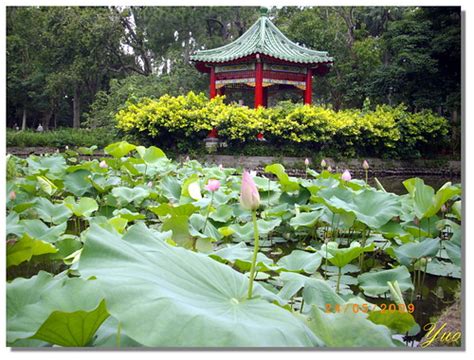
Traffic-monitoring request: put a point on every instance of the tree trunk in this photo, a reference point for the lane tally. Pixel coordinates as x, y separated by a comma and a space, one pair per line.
47, 119
23, 122
76, 105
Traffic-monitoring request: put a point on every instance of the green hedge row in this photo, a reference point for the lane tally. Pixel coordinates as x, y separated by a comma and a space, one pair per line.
385, 131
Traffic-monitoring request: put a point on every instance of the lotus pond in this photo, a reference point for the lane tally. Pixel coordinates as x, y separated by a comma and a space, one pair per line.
136, 250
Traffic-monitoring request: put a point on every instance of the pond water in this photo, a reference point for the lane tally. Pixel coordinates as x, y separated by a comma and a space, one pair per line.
395, 183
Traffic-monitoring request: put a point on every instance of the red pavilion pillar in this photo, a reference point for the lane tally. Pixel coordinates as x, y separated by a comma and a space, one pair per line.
212, 85
258, 83
308, 93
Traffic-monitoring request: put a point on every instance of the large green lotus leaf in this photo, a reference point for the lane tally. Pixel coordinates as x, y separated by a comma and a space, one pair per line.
179, 225
399, 321
52, 213
222, 213
287, 184
58, 310
454, 251
264, 184
84, 207
168, 209
340, 257
77, 182
394, 229
119, 149
46, 185
375, 283
25, 248
320, 293
456, 209
40, 231
443, 268
196, 228
292, 283
301, 261
348, 329
106, 336
371, 207
104, 183
170, 296
126, 195
421, 194
245, 232
241, 255
425, 202
129, 215
54, 166
446, 192
407, 253
171, 188
87, 150
151, 155
307, 219
67, 245
14, 226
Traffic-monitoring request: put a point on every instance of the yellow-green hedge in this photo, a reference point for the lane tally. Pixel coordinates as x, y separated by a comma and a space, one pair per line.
193, 115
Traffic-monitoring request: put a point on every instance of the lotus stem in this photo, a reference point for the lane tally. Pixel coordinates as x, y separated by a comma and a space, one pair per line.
119, 331
361, 256
366, 177
255, 252
208, 211
326, 265
379, 185
339, 274
424, 275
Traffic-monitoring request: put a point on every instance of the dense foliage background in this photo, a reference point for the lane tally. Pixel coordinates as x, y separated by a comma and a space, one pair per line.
73, 66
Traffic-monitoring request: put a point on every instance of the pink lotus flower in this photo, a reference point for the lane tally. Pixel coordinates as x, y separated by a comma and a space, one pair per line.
212, 185
306, 162
365, 165
12, 195
221, 167
346, 175
149, 184
249, 196
323, 163
103, 164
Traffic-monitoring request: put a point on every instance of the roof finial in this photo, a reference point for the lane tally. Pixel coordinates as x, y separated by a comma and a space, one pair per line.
263, 11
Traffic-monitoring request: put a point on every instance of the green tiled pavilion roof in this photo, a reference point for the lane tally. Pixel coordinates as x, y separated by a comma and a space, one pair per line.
263, 37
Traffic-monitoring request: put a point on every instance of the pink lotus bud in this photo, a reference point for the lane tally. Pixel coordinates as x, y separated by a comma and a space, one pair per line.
103, 164
444, 208
306, 162
149, 184
66, 147
221, 167
346, 175
187, 158
365, 165
416, 221
12, 195
329, 168
212, 185
323, 163
249, 196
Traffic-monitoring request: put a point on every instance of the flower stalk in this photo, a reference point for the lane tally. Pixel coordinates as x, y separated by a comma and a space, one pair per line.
256, 238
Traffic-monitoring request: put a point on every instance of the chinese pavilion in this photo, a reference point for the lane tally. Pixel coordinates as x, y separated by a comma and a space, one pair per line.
262, 58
